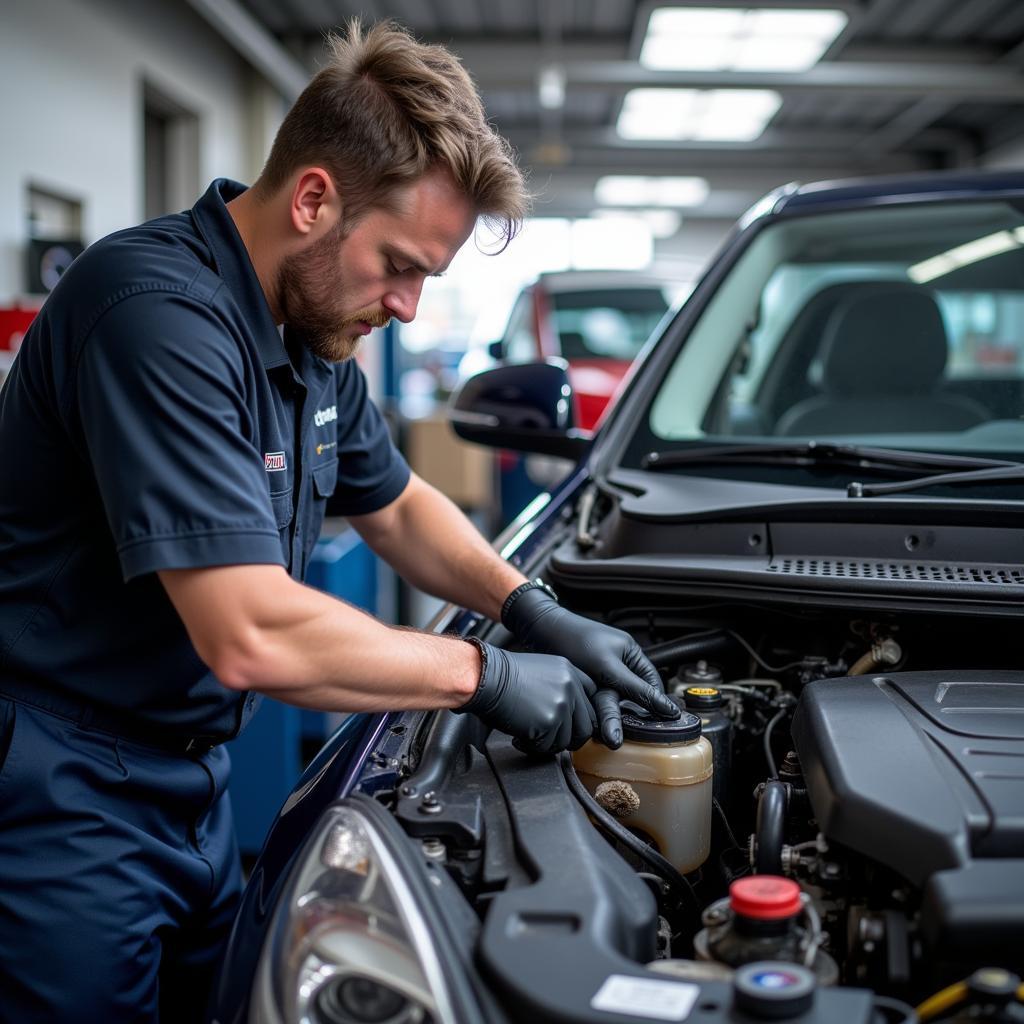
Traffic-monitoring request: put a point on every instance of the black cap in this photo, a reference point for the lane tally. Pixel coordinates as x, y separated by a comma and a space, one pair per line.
703, 697
774, 990
641, 726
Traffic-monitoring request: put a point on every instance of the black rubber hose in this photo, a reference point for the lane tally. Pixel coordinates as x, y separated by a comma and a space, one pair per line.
773, 771
770, 830
892, 1011
675, 879
690, 648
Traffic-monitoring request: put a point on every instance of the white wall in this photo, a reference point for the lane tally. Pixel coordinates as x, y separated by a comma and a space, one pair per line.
71, 75
684, 256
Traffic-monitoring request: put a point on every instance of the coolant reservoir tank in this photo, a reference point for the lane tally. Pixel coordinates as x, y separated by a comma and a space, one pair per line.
658, 782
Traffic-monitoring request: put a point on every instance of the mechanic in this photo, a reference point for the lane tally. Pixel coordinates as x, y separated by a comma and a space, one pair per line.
182, 412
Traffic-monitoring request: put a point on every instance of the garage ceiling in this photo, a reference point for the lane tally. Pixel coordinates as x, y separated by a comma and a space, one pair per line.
907, 84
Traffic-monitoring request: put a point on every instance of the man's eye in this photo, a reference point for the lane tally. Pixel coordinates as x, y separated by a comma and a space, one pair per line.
392, 269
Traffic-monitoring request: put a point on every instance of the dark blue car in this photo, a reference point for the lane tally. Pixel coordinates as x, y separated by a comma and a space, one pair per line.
808, 508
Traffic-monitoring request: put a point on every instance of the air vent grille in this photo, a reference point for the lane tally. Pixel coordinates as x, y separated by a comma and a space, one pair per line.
925, 572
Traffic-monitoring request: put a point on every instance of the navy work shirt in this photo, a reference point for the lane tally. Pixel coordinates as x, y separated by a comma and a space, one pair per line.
154, 420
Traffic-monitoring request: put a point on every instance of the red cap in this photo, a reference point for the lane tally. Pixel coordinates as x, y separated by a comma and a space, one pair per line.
765, 897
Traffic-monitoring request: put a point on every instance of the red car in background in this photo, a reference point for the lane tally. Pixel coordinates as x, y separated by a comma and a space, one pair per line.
596, 320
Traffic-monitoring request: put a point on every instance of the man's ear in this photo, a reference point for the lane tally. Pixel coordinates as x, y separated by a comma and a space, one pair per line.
315, 203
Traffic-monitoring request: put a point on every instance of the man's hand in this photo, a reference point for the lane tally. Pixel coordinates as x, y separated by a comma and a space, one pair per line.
610, 657
543, 702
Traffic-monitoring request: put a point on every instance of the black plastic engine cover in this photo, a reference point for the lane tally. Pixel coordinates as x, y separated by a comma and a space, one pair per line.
921, 771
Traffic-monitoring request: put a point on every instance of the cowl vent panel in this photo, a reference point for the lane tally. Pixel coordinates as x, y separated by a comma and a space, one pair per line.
922, 572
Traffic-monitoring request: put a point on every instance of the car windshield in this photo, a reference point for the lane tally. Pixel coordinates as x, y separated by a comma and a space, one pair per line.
893, 326
610, 323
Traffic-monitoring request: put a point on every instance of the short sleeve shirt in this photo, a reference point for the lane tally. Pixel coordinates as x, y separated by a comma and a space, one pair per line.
156, 418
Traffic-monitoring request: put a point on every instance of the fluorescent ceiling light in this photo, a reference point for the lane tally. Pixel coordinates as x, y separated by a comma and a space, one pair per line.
636, 190
763, 53
607, 245
692, 53
962, 255
738, 39
820, 24
698, 21
551, 88
982, 248
663, 222
725, 115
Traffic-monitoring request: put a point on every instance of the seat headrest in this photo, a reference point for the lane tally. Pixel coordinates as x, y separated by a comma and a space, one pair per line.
889, 340
572, 343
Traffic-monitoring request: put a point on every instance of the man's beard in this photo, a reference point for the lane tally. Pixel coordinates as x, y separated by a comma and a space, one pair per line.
311, 296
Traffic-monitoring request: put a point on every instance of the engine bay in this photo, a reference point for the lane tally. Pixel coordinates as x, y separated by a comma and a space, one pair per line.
864, 816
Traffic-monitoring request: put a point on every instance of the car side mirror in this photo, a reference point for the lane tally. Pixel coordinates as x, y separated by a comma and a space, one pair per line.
527, 407
496, 349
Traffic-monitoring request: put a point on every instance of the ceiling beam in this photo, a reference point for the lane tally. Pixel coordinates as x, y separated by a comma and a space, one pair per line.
479, 52
908, 126
917, 52
569, 192
784, 140
916, 118
789, 165
998, 84
261, 49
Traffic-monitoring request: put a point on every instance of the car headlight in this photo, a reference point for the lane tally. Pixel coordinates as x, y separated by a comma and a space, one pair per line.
349, 944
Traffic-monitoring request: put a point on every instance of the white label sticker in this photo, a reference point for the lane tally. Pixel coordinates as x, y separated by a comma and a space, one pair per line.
646, 997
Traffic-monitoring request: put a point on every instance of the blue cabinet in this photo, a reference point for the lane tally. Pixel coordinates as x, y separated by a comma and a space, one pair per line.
267, 759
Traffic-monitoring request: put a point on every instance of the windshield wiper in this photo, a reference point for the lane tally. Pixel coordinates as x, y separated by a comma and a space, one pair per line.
1012, 473
818, 454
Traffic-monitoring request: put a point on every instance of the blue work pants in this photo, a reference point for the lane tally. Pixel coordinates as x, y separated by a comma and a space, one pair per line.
119, 874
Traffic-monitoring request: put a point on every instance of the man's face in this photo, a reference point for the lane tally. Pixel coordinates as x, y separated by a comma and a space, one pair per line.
340, 287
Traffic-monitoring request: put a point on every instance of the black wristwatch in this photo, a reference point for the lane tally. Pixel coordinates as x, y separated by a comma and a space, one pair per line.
537, 584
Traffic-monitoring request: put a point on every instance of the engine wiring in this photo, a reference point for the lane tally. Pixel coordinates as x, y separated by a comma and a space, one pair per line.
753, 722
730, 835
942, 1002
757, 658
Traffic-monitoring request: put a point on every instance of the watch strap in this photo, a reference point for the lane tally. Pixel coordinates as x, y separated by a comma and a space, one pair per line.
482, 649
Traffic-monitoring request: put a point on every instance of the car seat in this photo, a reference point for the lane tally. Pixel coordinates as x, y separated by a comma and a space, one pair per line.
882, 358
572, 345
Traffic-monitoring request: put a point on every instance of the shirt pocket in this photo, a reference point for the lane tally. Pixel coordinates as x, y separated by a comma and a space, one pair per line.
325, 479
284, 508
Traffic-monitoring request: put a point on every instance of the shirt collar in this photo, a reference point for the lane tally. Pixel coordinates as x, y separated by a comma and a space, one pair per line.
231, 259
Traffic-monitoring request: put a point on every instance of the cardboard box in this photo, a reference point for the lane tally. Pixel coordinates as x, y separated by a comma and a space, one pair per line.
465, 472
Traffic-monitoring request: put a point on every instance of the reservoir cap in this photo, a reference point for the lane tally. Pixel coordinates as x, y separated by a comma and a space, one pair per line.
703, 698
641, 726
765, 897
773, 990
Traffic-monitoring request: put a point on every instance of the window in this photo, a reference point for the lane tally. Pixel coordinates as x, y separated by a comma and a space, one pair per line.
170, 146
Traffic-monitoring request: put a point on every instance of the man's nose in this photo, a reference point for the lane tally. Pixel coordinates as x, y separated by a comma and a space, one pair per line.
402, 302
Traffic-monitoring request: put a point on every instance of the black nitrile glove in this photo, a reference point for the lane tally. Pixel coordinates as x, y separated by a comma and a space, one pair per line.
611, 658
543, 702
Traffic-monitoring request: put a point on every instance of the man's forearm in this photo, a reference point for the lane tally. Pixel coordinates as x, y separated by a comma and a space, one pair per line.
428, 540
258, 629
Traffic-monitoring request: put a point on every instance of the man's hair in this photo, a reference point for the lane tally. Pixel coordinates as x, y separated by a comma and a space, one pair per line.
386, 110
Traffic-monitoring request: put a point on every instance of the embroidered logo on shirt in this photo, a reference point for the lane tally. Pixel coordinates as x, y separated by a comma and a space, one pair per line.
274, 462
322, 447
324, 416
